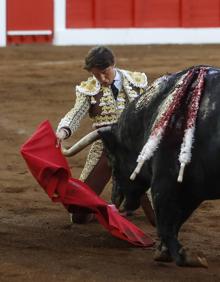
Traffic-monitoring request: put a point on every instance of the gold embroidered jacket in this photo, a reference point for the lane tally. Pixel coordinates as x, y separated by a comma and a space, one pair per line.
99, 101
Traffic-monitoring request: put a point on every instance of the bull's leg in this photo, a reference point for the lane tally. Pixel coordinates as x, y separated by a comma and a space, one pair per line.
186, 258
172, 208
162, 254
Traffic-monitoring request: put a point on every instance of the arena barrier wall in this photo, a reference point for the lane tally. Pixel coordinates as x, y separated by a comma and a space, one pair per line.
26, 21
89, 22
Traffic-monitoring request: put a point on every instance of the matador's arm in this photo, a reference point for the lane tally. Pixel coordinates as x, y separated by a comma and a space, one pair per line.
71, 120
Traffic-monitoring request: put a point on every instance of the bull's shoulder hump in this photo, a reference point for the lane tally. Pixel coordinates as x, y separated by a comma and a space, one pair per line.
89, 87
138, 79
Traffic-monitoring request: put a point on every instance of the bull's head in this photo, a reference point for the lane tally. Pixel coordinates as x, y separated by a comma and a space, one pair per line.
122, 161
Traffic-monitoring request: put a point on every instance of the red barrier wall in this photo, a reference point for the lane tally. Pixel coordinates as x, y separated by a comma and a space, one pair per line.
29, 16
80, 13
143, 13
37, 15
157, 13
200, 13
114, 13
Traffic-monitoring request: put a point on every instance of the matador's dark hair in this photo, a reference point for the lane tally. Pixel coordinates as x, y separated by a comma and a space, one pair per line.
99, 57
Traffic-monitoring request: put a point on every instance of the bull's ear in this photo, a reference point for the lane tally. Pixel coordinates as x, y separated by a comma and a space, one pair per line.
109, 136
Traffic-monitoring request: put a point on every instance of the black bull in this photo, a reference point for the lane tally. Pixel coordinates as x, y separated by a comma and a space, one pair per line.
173, 201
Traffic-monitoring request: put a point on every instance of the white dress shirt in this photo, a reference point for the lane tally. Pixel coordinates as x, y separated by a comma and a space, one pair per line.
118, 80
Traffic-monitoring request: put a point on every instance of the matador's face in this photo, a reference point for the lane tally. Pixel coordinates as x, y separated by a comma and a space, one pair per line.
105, 76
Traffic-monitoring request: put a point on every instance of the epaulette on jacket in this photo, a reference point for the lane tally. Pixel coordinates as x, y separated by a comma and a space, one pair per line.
89, 87
138, 79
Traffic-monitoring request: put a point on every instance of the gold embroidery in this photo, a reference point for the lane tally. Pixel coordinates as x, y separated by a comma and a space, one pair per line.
110, 110
137, 79
90, 87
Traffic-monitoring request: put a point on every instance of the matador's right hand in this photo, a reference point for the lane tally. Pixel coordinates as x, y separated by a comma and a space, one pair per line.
61, 135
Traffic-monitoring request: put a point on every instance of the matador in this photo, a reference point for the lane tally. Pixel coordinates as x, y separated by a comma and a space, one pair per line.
103, 96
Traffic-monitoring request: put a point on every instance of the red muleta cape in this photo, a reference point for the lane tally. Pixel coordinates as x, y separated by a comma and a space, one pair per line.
51, 170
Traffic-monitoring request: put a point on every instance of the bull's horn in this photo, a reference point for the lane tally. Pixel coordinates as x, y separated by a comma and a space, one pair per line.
81, 144
84, 142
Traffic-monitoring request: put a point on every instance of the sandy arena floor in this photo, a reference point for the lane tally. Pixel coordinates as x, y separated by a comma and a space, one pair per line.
36, 243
